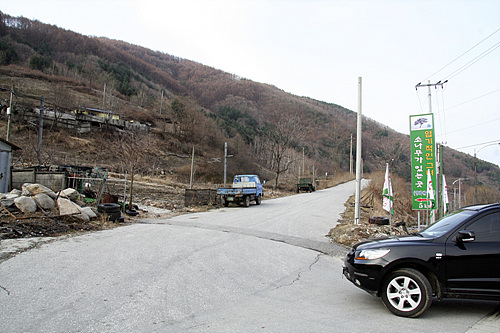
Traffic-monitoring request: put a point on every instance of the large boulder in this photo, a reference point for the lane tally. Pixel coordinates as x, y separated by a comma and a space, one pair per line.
70, 193
7, 199
34, 189
68, 207
25, 204
89, 212
44, 201
83, 217
16, 192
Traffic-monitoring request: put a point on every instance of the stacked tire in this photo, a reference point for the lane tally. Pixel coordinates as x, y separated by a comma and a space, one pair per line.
132, 211
112, 210
378, 220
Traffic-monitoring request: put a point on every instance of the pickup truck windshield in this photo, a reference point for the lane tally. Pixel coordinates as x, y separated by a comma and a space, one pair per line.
244, 179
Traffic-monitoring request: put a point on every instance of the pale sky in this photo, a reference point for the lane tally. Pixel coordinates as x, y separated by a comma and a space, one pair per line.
319, 48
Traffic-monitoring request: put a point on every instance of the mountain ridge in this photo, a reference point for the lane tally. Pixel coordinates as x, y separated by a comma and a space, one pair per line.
188, 103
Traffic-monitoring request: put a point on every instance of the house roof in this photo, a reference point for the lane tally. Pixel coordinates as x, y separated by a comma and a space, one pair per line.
96, 110
14, 147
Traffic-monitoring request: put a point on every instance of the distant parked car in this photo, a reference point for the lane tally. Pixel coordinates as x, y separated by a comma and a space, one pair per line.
456, 257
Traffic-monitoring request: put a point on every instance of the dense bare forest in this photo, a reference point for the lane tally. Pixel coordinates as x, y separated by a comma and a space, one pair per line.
184, 104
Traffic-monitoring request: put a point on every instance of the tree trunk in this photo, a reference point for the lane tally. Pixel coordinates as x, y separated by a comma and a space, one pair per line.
278, 171
132, 171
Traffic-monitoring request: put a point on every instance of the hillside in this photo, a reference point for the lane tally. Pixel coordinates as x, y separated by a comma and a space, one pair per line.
186, 104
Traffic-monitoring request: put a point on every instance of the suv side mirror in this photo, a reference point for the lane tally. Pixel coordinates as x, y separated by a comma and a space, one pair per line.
466, 236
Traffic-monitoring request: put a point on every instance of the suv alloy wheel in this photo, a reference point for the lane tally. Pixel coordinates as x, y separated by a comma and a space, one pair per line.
407, 293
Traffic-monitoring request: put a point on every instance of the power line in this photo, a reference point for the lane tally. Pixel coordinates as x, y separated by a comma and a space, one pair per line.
461, 55
468, 127
479, 144
471, 100
419, 102
441, 120
473, 61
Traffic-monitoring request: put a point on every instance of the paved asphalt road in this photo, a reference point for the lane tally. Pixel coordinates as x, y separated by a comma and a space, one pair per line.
265, 268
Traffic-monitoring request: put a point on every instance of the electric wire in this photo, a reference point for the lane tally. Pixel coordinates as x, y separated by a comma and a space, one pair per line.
471, 100
444, 116
469, 127
419, 102
438, 113
439, 70
473, 61
479, 144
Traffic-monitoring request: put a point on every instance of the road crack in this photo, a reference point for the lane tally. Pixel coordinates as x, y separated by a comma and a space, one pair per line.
299, 274
6, 290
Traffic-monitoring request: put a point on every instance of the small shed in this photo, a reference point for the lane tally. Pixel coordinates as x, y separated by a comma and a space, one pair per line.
6, 149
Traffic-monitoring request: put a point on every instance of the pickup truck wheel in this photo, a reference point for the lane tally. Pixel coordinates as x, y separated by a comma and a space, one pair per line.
258, 200
407, 293
246, 201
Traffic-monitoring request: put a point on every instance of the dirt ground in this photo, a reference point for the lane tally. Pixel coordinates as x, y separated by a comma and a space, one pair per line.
347, 233
153, 200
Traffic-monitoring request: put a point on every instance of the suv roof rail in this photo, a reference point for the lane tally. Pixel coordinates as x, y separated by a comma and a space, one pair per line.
482, 206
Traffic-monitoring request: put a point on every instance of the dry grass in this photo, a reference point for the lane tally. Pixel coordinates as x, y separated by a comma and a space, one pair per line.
402, 197
338, 179
347, 233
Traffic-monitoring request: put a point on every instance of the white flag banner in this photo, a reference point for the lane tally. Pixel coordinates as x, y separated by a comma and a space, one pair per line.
445, 196
430, 197
388, 198
430, 191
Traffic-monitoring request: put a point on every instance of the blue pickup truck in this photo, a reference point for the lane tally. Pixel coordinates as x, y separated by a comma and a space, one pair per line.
245, 188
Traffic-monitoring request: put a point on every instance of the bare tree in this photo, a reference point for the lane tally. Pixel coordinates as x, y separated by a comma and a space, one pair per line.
62, 99
131, 148
187, 120
280, 136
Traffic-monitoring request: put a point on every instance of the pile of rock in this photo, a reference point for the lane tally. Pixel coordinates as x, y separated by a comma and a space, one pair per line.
349, 234
34, 197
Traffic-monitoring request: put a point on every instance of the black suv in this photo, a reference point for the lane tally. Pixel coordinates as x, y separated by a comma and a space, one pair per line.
458, 256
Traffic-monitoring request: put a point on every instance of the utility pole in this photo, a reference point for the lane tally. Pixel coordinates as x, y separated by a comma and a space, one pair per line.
455, 207
40, 130
225, 163
429, 84
104, 97
357, 204
192, 171
350, 159
439, 173
475, 176
161, 100
9, 113
303, 161
438, 146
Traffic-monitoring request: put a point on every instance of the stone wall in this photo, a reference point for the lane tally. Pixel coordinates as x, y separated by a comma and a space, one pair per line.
200, 197
56, 181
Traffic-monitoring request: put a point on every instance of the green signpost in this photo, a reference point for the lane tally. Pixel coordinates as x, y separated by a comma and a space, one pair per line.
423, 158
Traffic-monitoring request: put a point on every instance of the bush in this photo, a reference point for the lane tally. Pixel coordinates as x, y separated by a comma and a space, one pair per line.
40, 62
7, 53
